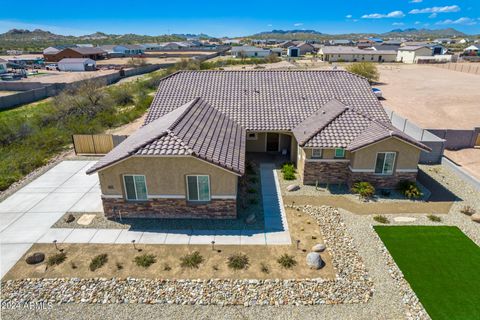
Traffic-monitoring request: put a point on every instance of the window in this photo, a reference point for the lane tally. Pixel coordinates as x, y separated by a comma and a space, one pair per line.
252, 136
339, 153
316, 153
385, 163
135, 187
198, 188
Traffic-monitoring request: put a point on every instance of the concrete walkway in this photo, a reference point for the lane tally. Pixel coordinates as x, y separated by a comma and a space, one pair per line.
26, 217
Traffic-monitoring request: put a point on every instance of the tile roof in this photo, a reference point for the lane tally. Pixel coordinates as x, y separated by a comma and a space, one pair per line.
88, 50
353, 50
266, 100
196, 129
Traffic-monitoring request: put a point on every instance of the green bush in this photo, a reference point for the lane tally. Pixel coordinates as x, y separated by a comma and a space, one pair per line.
264, 268
364, 189
191, 260
381, 219
468, 210
287, 261
434, 218
238, 261
145, 260
365, 69
409, 189
288, 171
57, 259
98, 261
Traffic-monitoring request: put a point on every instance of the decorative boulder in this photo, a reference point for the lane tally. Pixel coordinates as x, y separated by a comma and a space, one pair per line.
70, 218
35, 258
314, 261
293, 187
319, 247
250, 219
475, 217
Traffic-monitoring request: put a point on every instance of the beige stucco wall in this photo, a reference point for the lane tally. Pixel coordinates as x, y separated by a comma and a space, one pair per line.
358, 57
257, 145
166, 175
300, 160
407, 155
326, 153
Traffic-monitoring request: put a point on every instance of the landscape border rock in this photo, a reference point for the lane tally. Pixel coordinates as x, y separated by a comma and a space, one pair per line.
352, 283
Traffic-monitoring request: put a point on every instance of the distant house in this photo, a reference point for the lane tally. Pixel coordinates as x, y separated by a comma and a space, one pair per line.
410, 54
384, 46
151, 46
287, 44
464, 40
293, 52
77, 64
353, 54
249, 51
365, 43
305, 48
473, 50
124, 49
445, 41
376, 40
3, 66
56, 49
90, 53
341, 42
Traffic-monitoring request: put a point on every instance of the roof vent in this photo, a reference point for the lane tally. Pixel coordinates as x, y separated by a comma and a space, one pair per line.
323, 111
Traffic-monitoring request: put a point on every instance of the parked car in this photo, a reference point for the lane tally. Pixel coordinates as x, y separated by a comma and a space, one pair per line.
378, 93
51, 66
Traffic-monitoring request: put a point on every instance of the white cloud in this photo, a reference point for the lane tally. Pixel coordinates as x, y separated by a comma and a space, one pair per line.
433, 15
416, 1
298, 24
348, 16
444, 9
398, 24
417, 22
269, 25
393, 14
464, 20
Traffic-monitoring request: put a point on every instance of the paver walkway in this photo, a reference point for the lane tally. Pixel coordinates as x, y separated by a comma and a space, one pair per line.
26, 217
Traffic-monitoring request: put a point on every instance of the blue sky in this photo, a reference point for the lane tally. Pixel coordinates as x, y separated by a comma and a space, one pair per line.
236, 18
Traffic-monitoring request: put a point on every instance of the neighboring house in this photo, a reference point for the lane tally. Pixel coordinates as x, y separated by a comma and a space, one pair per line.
185, 162
249, 52
385, 46
3, 66
287, 44
410, 54
464, 41
151, 46
90, 53
472, 50
56, 49
353, 54
444, 41
77, 64
341, 42
123, 50
293, 52
305, 48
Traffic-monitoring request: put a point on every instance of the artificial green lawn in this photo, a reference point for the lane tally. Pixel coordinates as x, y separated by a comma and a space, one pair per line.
442, 266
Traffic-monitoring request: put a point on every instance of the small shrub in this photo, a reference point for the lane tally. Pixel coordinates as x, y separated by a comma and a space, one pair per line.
253, 179
238, 261
434, 218
191, 260
166, 267
249, 168
288, 171
215, 267
252, 190
98, 261
254, 201
145, 260
56, 259
381, 219
468, 210
364, 189
287, 261
264, 268
73, 265
119, 266
409, 189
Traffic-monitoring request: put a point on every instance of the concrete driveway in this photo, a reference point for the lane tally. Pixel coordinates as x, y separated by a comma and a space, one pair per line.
30, 212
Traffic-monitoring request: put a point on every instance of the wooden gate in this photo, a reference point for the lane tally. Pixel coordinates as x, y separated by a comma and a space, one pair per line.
92, 144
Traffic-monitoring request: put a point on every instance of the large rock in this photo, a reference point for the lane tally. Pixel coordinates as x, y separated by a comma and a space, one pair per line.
314, 260
35, 258
319, 247
293, 187
475, 217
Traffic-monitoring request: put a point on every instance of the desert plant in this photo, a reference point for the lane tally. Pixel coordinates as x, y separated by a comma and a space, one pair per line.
252, 190
73, 265
166, 267
215, 267
409, 189
381, 219
145, 260
364, 189
288, 171
365, 69
56, 259
191, 260
264, 268
238, 261
253, 179
287, 261
119, 266
468, 210
434, 218
98, 261
253, 201
249, 168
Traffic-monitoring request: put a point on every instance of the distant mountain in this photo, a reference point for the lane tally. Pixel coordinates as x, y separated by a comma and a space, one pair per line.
424, 33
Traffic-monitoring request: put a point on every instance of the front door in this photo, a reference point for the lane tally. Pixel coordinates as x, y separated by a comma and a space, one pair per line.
273, 142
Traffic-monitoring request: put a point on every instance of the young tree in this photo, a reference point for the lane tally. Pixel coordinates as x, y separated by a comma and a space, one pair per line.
365, 69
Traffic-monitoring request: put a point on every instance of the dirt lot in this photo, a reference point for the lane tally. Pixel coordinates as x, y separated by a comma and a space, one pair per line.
468, 159
125, 61
432, 97
67, 77
302, 227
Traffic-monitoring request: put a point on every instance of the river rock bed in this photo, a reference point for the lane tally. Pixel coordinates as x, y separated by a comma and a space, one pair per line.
351, 285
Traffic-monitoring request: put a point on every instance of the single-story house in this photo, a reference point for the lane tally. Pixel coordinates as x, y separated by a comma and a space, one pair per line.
3, 66
472, 50
305, 48
77, 64
445, 41
293, 52
86, 52
250, 52
123, 49
287, 44
410, 54
56, 49
353, 54
464, 40
341, 42
185, 162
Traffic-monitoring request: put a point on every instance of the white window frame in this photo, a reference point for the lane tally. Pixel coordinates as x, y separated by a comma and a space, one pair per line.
255, 136
135, 186
335, 153
318, 156
383, 166
209, 187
